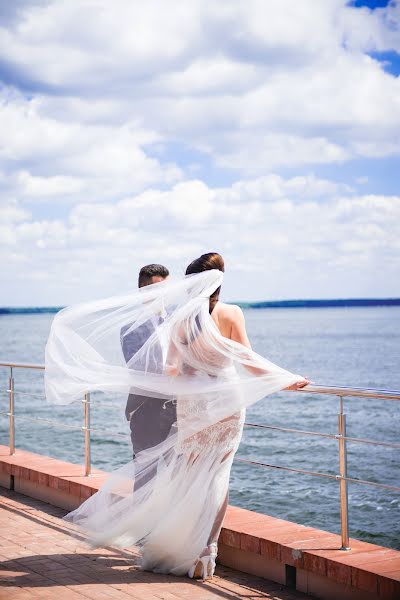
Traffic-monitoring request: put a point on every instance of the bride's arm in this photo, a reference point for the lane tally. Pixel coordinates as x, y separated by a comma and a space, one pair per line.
173, 362
239, 334
238, 327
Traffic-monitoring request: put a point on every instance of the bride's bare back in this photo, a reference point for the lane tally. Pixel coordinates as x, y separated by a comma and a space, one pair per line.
230, 321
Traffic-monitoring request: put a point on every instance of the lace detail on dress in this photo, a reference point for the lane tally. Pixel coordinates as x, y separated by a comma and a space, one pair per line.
223, 436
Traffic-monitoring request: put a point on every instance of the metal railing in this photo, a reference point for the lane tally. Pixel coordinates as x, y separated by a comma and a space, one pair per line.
12, 416
342, 477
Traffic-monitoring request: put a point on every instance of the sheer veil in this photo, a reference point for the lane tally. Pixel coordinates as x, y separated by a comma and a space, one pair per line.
159, 347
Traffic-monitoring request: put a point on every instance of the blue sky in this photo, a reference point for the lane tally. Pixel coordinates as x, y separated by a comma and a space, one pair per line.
153, 132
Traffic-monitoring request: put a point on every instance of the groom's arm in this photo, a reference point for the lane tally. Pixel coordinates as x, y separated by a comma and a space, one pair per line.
132, 341
126, 344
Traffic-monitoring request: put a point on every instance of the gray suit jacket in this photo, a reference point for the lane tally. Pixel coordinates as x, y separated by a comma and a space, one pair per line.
150, 418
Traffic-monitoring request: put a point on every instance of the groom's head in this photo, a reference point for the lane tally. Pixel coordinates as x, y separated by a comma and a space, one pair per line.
152, 274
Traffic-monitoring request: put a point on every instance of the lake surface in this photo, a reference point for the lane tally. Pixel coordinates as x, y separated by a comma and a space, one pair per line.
332, 346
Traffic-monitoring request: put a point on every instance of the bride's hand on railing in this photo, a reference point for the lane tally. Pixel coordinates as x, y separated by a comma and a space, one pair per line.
298, 385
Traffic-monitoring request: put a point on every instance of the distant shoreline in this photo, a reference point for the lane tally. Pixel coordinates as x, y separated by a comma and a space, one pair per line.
339, 302
29, 310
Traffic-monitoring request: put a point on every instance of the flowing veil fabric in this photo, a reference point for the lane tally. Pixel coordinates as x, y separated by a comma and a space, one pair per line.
167, 500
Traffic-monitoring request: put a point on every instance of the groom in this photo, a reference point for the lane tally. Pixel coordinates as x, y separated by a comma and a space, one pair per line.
150, 420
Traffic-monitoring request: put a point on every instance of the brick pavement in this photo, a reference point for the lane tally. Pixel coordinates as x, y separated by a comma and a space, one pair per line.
41, 560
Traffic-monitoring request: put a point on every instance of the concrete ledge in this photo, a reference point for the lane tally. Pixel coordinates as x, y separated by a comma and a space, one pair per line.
291, 554
309, 558
54, 481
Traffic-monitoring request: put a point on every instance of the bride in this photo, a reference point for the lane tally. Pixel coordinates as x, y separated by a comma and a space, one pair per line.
171, 499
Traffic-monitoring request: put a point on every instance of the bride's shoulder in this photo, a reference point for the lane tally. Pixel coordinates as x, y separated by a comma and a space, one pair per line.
229, 312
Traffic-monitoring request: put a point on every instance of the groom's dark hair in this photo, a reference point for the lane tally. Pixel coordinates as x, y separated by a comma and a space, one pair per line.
148, 271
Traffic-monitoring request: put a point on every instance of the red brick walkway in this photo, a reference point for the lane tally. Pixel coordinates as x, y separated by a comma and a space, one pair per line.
40, 560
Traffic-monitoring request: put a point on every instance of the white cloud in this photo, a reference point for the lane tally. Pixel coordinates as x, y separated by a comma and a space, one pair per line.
43, 187
296, 236
255, 85
272, 187
69, 160
12, 213
372, 30
111, 109
272, 151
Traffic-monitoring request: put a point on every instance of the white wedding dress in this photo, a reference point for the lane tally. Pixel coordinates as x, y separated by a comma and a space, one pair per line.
193, 514
170, 500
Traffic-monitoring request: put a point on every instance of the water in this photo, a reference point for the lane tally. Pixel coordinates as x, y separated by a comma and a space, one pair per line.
332, 346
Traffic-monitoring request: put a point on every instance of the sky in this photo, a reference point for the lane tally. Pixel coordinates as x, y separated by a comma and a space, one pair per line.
135, 132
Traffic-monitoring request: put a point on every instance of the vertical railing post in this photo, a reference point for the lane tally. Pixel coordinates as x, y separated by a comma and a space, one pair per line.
11, 413
344, 514
86, 404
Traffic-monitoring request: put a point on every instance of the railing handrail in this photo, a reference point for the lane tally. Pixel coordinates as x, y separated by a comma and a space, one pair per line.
316, 388
21, 365
312, 388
